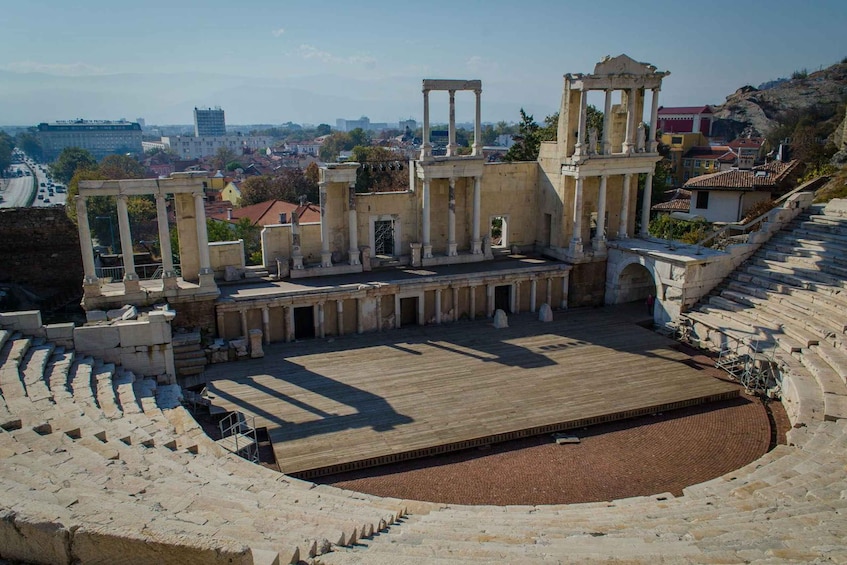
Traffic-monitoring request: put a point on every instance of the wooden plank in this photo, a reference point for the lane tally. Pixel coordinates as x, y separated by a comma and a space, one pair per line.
382, 395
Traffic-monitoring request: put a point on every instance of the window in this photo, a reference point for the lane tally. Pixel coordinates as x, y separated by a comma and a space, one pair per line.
697, 163
702, 200
705, 164
676, 139
688, 162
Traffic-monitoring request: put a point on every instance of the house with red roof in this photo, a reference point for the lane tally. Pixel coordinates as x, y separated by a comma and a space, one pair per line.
685, 119
726, 196
270, 212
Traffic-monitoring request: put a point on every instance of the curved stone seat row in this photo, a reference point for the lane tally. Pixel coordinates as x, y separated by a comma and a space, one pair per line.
115, 455
95, 459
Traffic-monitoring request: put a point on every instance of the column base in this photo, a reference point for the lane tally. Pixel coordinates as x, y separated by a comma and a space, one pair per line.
451, 250
623, 235
91, 287
354, 257
576, 247
132, 285
207, 279
326, 259
476, 247
427, 251
169, 282
416, 254
628, 148
297, 262
599, 245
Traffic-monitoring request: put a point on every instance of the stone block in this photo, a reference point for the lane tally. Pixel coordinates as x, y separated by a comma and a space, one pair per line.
136, 333
89, 338
59, 332
233, 274
282, 267
500, 319
545, 313
110, 544
33, 540
27, 321
96, 316
126, 312
255, 337
239, 346
836, 207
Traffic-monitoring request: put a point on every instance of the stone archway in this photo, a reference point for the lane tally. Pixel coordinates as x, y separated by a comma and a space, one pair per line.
634, 283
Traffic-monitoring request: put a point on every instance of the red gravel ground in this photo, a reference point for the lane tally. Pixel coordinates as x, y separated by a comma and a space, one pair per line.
648, 455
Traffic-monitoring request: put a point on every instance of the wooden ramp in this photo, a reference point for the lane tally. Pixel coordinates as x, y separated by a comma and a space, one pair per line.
363, 400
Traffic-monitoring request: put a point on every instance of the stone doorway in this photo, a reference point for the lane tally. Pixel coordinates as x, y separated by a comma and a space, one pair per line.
502, 298
408, 311
304, 322
499, 230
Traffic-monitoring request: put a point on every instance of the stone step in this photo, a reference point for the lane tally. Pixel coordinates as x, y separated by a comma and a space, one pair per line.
810, 273
183, 339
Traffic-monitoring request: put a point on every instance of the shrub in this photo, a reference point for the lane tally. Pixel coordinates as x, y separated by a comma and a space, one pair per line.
687, 231
757, 210
800, 75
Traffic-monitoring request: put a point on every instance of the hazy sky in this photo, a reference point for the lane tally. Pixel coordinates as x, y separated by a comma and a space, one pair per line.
315, 61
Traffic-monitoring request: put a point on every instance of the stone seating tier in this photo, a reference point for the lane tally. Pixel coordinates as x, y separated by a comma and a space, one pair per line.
119, 462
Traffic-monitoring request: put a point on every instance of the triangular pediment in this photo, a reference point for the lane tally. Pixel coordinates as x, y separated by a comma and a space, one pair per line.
622, 65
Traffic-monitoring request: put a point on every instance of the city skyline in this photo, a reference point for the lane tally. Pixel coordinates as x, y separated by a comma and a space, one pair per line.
272, 63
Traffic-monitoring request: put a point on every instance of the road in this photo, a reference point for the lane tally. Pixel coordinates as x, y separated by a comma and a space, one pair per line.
17, 190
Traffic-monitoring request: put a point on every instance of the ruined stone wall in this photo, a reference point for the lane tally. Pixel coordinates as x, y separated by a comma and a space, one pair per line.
39, 249
195, 314
587, 285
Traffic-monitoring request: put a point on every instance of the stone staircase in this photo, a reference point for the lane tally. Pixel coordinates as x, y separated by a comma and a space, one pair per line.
189, 357
100, 465
790, 300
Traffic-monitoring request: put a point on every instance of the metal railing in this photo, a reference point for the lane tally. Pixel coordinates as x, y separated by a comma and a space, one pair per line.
150, 271
245, 442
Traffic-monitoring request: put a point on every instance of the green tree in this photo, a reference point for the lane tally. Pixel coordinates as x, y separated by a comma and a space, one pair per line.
287, 185
6, 146
322, 129
358, 136
223, 156
382, 170
28, 142
121, 167
527, 142
70, 160
334, 144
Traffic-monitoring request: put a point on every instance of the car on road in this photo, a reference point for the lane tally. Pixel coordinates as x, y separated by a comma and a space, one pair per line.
41, 197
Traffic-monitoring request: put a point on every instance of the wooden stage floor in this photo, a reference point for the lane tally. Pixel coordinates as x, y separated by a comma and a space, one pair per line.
361, 400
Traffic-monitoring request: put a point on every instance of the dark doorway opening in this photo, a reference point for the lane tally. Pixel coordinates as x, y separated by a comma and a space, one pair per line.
408, 311
304, 322
501, 298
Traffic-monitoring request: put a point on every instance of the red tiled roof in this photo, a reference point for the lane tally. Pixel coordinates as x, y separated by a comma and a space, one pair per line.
763, 177
746, 142
685, 110
675, 205
267, 213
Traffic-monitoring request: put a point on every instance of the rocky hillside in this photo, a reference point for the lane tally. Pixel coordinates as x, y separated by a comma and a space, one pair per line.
753, 111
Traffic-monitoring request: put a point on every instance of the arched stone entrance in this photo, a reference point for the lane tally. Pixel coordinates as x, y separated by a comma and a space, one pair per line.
635, 283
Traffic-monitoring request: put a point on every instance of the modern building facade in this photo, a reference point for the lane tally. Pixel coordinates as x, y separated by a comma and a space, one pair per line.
99, 137
206, 146
209, 122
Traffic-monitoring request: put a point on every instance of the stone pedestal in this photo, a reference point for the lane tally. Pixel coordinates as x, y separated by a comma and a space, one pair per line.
366, 257
451, 250
545, 313
132, 285
282, 268
255, 337
91, 289
297, 257
476, 247
500, 319
326, 259
416, 254
427, 251
207, 279
170, 283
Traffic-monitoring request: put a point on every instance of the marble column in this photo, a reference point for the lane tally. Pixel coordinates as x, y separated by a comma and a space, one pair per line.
318, 314
426, 148
623, 229
516, 297
339, 312
533, 294
90, 281
646, 202
244, 328
202, 239
266, 324
476, 242
378, 299
437, 305
600, 236
607, 123
549, 291
360, 315
131, 283
455, 303
629, 139
472, 302
289, 323
576, 239
427, 210
580, 147
489, 300
168, 272
477, 127
653, 147
563, 304
353, 225
451, 219
326, 254
451, 126
221, 319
